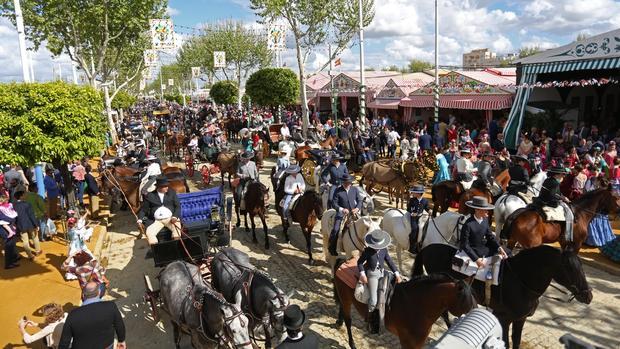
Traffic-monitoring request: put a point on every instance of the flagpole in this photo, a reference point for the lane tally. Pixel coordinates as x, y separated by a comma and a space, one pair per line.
362, 113
436, 89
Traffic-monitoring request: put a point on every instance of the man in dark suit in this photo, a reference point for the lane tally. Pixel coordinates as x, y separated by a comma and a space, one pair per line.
477, 240
92, 189
519, 178
294, 319
347, 200
417, 206
332, 175
26, 223
161, 208
426, 142
94, 324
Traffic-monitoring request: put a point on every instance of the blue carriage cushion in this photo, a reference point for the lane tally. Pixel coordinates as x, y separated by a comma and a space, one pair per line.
196, 206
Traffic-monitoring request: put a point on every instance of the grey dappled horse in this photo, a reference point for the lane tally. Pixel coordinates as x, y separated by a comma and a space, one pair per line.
252, 291
197, 310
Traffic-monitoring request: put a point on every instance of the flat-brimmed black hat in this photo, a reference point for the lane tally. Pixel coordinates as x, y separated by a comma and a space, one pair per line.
294, 317
247, 155
519, 158
336, 157
557, 170
480, 203
488, 153
162, 181
347, 178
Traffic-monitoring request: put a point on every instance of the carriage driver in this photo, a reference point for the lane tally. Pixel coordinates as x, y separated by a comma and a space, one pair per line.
247, 173
519, 178
417, 206
477, 240
161, 208
332, 175
293, 185
464, 167
347, 200
150, 174
371, 263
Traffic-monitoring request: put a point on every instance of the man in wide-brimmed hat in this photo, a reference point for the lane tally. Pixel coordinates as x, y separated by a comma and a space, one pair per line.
485, 169
293, 185
464, 166
519, 177
294, 319
416, 207
550, 194
247, 172
477, 240
152, 171
347, 200
161, 208
371, 263
332, 175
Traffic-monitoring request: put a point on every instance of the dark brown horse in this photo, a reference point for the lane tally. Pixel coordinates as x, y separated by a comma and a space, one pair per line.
175, 144
256, 202
527, 227
307, 212
413, 309
228, 162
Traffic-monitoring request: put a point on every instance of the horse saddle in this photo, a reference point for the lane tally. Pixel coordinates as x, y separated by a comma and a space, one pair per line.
461, 263
293, 202
467, 184
553, 214
527, 197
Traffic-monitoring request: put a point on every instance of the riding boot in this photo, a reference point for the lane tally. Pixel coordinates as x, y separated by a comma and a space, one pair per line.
413, 243
333, 242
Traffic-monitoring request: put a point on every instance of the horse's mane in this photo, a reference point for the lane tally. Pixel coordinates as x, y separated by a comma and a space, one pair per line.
432, 279
587, 197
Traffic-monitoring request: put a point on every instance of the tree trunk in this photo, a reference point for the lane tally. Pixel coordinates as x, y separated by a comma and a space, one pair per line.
108, 110
239, 87
302, 80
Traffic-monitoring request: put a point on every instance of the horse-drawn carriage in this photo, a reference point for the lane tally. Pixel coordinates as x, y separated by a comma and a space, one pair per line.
316, 160
205, 219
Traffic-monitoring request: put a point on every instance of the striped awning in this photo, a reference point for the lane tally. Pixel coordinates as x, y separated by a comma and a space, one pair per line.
472, 102
555, 67
384, 104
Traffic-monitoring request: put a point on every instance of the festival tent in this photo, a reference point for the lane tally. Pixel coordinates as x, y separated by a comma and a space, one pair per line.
582, 75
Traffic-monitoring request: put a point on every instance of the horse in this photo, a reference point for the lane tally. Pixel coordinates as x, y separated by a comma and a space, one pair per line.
228, 162
328, 143
508, 203
175, 145
307, 211
261, 299
525, 278
199, 311
352, 239
256, 201
527, 227
380, 172
413, 309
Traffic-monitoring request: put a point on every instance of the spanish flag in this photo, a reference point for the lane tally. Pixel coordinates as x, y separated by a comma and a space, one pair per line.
337, 62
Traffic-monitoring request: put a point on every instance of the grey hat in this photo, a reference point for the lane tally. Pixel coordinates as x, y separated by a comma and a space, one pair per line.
480, 203
378, 239
247, 155
417, 189
292, 169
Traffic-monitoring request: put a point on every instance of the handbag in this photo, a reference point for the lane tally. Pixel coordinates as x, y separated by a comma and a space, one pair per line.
362, 293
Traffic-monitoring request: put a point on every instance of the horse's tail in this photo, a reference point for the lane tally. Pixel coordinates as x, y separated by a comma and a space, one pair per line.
339, 261
418, 264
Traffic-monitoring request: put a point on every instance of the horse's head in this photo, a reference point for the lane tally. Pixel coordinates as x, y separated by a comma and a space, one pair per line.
464, 300
570, 274
317, 204
277, 305
234, 328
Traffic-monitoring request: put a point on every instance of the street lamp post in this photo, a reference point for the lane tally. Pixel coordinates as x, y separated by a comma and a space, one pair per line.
436, 89
21, 37
362, 78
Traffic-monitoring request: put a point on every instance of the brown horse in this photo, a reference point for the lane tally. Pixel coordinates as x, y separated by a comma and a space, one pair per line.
469, 194
228, 163
414, 306
307, 212
256, 203
382, 173
302, 154
175, 145
328, 143
527, 227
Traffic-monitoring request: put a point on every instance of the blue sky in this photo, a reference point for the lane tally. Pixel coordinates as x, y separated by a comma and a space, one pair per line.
400, 31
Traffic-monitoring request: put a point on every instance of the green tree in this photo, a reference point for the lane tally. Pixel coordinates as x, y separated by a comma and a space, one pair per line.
123, 100
224, 92
53, 122
271, 87
418, 66
369, 69
246, 50
393, 67
177, 98
174, 71
316, 23
105, 38
528, 51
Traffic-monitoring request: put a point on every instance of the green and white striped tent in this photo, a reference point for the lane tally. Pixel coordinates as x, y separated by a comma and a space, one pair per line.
595, 53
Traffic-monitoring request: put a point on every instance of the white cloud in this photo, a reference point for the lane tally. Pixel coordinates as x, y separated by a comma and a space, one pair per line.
542, 43
171, 11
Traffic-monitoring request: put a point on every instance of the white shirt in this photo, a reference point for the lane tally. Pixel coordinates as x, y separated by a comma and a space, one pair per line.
161, 196
153, 170
463, 165
284, 131
286, 146
52, 332
291, 184
392, 137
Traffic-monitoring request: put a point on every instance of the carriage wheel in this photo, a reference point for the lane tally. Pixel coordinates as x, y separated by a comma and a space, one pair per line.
150, 297
307, 171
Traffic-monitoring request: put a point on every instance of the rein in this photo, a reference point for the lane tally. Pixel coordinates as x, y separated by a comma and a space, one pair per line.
112, 179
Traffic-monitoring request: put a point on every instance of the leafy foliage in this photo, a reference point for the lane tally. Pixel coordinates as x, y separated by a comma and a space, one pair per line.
52, 122
418, 66
175, 71
224, 92
528, 51
174, 98
123, 100
273, 87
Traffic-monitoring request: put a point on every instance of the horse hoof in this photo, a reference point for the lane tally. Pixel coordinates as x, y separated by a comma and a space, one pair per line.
238, 224
310, 261
339, 323
247, 230
266, 246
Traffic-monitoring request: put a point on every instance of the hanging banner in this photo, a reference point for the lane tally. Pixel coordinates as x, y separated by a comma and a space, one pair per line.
276, 37
142, 84
170, 82
151, 57
162, 34
219, 59
195, 72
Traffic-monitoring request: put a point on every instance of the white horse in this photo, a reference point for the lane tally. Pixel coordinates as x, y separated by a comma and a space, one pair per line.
352, 238
443, 229
507, 203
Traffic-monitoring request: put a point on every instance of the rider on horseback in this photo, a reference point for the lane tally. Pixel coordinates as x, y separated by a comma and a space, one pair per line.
247, 173
485, 168
519, 178
417, 206
151, 173
346, 200
293, 185
551, 197
332, 175
464, 168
